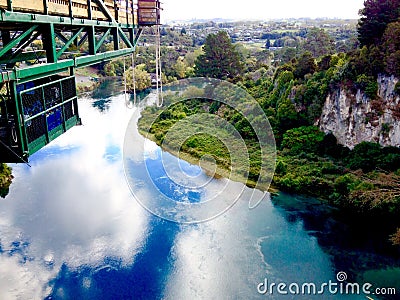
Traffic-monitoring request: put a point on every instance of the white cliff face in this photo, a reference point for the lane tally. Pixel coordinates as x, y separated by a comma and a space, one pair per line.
355, 118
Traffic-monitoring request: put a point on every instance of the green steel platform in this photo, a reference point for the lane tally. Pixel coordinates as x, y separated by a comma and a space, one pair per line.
42, 43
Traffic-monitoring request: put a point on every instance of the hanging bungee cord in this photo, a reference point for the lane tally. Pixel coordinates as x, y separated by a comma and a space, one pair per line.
159, 84
128, 102
134, 76
125, 93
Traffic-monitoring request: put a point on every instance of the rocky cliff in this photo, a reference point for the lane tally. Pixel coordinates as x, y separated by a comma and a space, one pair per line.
354, 118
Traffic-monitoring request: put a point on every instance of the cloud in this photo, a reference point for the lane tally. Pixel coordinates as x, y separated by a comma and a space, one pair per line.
218, 259
22, 281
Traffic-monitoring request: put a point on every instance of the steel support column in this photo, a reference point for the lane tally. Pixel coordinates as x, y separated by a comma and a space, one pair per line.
49, 43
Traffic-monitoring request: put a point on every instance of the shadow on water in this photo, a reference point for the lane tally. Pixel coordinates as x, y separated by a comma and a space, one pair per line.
109, 88
357, 245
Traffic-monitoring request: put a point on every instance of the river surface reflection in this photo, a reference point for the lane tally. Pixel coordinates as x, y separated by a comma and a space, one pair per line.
71, 229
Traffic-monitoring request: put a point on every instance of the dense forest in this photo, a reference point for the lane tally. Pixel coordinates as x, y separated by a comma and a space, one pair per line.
292, 91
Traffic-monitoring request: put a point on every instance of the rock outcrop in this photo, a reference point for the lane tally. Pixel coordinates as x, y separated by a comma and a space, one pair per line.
354, 118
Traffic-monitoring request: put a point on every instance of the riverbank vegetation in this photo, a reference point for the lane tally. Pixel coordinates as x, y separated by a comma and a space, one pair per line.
292, 91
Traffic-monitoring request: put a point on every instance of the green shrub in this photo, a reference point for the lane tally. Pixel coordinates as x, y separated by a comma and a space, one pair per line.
395, 238
369, 156
281, 168
303, 139
397, 88
5, 179
364, 156
368, 84
344, 184
372, 90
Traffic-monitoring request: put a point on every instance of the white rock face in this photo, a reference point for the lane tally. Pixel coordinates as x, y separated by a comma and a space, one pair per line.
355, 118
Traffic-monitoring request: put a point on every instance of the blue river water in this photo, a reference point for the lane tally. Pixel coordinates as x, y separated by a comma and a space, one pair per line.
70, 228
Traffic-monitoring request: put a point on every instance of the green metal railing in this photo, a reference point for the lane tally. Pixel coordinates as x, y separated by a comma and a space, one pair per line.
48, 111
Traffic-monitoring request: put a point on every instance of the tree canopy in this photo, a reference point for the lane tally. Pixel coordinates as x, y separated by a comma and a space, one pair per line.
318, 42
142, 78
375, 16
392, 49
220, 58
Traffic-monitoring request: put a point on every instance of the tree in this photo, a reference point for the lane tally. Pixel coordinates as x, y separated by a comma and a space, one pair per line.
375, 16
367, 60
286, 54
109, 69
318, 42
303, 139
325, 63
220, 59
305, 65
180, 68
287, 114
5, 179
392, 49
364, 156
190, 57
163, 31
169, 57
395, 238
142, 78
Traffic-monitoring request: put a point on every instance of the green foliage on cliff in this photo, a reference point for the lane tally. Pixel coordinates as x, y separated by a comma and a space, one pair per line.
395, 238
5, 179
302, 139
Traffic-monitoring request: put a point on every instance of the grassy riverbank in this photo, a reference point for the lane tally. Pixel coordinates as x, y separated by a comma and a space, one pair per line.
201, 139
213, 158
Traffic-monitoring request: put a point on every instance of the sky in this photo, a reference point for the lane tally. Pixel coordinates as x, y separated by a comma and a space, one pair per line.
259, 9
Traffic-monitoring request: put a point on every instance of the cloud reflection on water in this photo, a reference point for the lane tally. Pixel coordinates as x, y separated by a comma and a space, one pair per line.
71, 207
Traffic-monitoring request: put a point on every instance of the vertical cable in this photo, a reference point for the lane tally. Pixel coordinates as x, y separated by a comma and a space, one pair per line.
133, 77
159, 87
126, 99
160, 64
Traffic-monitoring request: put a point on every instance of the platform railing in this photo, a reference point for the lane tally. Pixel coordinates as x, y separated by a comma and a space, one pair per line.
125, 10
48, 111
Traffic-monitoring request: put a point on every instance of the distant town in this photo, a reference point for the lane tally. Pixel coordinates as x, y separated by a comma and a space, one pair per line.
272, 34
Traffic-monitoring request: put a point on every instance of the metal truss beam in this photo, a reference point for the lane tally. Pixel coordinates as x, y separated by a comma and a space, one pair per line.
103, 38
39, 71
17, 40
81, 31
69, 42
17, 17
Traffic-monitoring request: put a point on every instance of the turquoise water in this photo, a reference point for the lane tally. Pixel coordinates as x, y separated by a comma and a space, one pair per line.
71, 229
